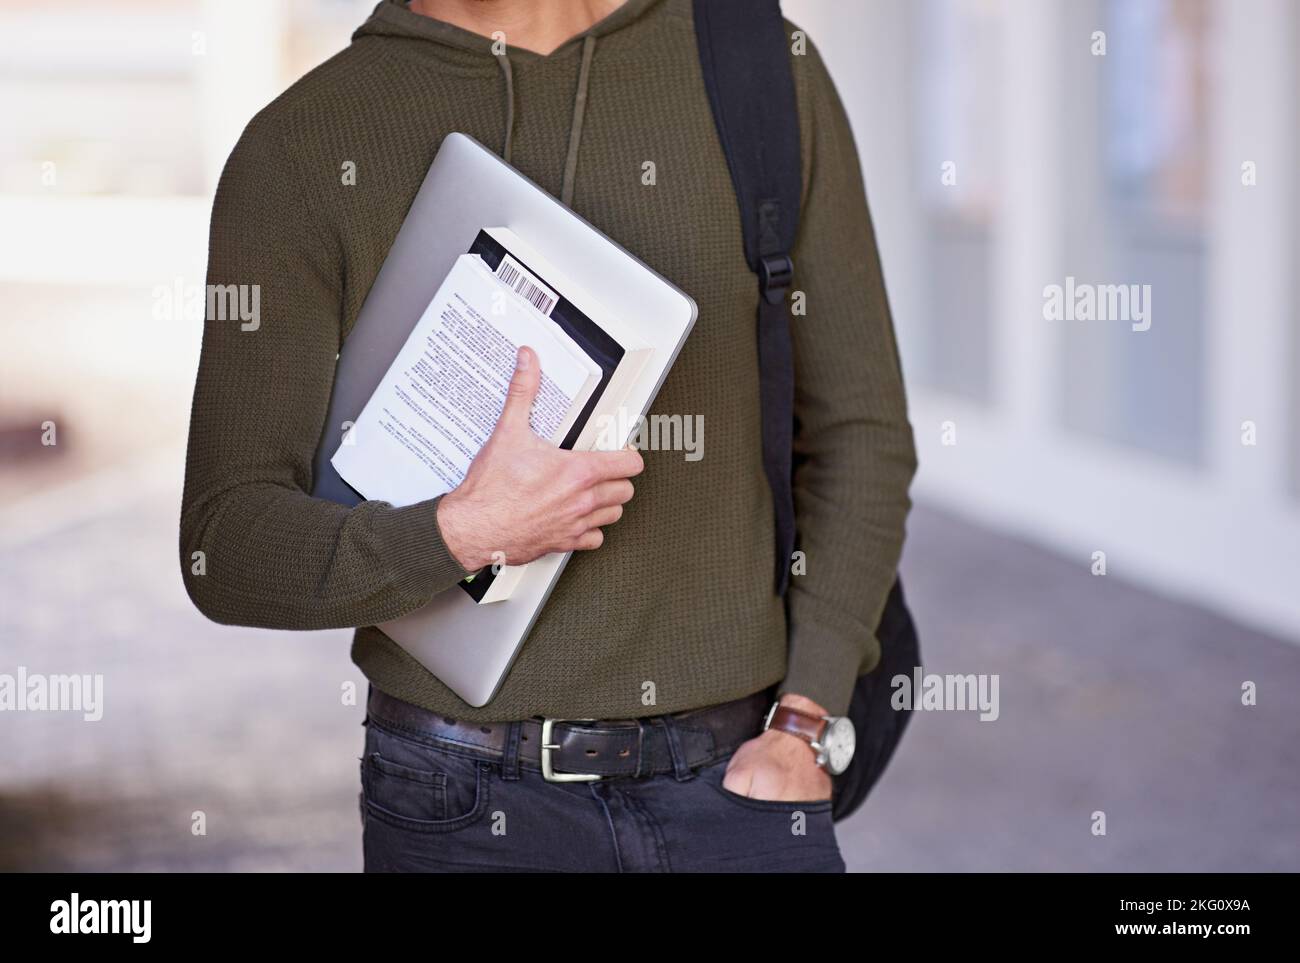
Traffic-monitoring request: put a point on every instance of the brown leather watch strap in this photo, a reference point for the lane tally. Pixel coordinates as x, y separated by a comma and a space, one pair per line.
806, 727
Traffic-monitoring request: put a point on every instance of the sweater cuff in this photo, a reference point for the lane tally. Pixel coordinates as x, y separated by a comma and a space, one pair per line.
824, 667
411, 544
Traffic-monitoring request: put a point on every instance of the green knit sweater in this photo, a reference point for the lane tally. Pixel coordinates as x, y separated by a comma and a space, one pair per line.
676, 610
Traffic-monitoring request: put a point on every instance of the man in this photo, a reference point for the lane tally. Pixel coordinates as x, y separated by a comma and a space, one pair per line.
664, 628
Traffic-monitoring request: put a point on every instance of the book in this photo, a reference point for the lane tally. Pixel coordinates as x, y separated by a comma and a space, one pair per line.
441, 396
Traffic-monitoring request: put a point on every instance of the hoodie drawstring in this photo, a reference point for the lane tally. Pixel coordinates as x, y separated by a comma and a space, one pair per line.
575, 123
508, 75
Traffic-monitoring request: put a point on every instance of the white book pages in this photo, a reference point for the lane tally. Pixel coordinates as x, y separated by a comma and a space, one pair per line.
441, 397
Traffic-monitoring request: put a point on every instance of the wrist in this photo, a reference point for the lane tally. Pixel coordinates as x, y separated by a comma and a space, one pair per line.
831, 740
457, 534
802, 704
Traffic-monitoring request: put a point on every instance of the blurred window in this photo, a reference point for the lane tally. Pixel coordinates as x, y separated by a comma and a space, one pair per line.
100, 97
1293, 387
1138, 217
109, 94
956, 132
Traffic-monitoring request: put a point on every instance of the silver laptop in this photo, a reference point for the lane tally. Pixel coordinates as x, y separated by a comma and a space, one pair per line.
468, 646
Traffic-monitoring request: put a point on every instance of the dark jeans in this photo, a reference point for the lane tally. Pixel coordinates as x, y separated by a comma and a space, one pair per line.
428, 806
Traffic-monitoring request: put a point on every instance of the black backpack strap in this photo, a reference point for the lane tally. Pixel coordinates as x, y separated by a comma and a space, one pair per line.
746, 63
751, 89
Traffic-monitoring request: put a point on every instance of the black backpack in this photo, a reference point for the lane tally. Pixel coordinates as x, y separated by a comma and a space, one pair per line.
746, 64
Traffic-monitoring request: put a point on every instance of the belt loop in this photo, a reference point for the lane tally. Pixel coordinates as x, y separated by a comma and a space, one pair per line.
641, 769
681, 770
510, 754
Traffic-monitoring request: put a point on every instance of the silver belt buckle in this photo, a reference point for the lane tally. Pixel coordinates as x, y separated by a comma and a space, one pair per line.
548, 769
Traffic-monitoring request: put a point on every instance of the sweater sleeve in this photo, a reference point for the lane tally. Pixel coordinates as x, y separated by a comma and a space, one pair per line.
272, 555
853, 451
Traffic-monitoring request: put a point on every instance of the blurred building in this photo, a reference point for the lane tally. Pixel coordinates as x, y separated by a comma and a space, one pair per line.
119, 115
1165, 160
1003, 153
1008, 145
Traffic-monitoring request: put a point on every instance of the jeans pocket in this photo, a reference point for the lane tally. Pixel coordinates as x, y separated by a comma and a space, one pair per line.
714, 775
410, 793
763, 835
418, 787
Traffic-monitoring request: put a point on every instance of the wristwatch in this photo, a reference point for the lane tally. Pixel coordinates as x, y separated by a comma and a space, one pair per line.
831, 737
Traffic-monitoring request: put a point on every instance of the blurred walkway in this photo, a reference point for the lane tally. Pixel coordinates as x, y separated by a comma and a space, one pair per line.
1111, 700
244, 726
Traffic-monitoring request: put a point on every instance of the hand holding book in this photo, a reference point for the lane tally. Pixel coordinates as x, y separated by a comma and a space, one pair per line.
523, 497
438, 405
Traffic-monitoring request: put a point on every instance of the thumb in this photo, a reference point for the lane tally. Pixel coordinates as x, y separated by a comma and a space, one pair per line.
522, 391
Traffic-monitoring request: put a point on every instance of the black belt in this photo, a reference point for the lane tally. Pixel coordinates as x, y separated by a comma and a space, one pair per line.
568, 750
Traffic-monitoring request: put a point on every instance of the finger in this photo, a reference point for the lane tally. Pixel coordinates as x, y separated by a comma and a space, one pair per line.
522, 391
603, 516
738, 780
614, 464
616, 492
589, 540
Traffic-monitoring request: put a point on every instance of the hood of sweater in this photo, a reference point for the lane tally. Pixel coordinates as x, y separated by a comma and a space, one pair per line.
464, 48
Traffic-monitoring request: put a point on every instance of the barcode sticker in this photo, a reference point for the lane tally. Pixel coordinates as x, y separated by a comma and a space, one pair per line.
527, 285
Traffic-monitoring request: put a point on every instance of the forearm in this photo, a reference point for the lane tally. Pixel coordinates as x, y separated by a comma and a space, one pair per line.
266, 556
255, 547
854, 456
851, 527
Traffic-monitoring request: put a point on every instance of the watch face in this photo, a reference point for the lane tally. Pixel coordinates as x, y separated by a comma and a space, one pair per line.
839, 741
